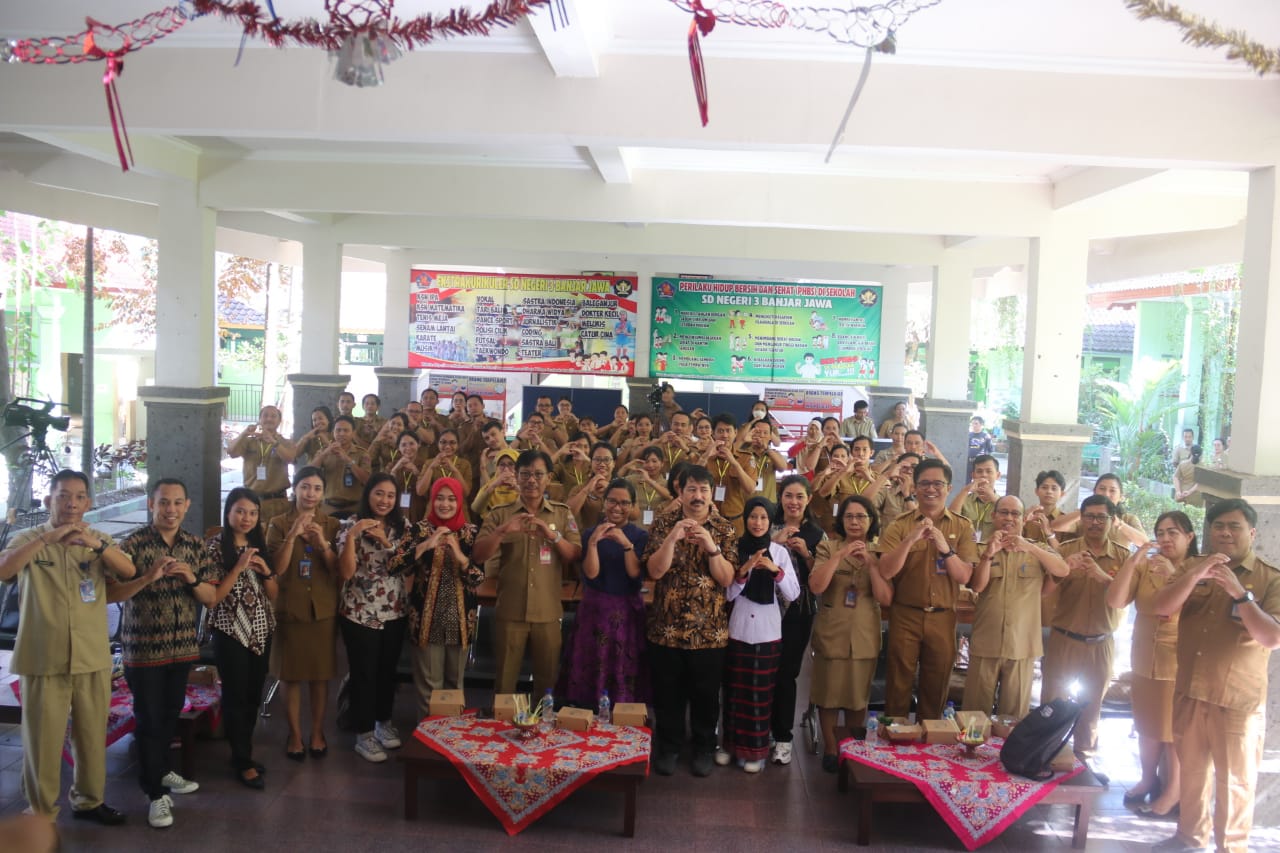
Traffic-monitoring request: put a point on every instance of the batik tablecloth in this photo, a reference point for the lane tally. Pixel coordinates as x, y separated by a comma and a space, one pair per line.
521, 779
120, 720
974, 794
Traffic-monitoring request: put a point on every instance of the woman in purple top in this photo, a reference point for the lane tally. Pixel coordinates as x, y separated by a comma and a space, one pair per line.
607, 648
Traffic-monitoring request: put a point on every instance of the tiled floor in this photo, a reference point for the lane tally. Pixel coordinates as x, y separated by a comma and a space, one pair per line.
344, 803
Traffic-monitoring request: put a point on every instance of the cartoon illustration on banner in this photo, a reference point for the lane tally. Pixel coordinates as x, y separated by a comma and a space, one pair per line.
766, 331
542, 323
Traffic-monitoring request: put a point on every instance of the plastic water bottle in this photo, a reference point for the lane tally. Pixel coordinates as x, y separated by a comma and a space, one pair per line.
548, 708
950, 712
873, 725
604, 714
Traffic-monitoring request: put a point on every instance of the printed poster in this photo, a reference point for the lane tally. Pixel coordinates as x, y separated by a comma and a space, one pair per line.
492, 389
762, 331
530, 323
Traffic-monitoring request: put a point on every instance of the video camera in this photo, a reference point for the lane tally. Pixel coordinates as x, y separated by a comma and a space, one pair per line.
36, 416
655, 396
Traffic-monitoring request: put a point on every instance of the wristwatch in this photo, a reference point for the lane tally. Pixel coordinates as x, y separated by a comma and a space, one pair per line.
101, 549
193, 584
1244, 599
948, 555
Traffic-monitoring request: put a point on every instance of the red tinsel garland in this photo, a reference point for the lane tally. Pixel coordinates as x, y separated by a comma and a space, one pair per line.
408, 34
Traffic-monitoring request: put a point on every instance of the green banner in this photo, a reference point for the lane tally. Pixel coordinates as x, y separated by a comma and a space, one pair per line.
765, 331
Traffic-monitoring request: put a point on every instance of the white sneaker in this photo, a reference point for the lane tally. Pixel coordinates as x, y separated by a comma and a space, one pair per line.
368, 748
387, 735
177, 785
781, 752
753, 766
723, 758
160, 814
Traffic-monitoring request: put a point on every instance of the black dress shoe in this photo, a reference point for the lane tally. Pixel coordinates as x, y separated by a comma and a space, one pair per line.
664, 764
300, 755
318, 752
255, 782
102, 814
261, 768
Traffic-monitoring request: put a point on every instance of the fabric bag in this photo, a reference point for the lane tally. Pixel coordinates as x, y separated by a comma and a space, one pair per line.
1038, 738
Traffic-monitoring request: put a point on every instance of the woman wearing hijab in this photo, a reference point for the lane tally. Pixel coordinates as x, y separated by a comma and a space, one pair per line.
373, 611
765, 575
795, 529
607, 648
438, 553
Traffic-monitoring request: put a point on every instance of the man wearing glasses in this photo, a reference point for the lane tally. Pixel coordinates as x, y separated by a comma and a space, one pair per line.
1081, 647
926, 555
1006, 636
534, 538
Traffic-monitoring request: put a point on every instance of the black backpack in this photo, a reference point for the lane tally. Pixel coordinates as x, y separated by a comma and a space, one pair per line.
1038, 737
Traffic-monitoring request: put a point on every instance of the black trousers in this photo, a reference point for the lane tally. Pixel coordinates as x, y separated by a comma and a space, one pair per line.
372, 654
243, 674
796, 628
686, 680
159, 693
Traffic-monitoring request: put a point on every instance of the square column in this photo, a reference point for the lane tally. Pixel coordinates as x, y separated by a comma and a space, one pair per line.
321, 304
396, 387
315, 389
1049, 436
893, 328
185, 407
395, 338
949, 338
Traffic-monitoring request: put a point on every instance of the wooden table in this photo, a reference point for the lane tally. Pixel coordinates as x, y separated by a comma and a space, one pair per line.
872, 786
421, 760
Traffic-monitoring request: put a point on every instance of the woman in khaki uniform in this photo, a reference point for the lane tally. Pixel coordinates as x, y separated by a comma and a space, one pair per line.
300, 543
1154, 656
846, 630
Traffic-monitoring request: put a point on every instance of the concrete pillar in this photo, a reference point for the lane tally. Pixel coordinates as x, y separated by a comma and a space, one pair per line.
949, 331
395, 337
946, 424
319, 383
893, 328
185, 407
396, 387
1048, 435
884, 398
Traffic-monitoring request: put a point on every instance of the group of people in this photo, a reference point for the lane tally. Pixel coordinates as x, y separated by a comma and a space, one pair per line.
757, 555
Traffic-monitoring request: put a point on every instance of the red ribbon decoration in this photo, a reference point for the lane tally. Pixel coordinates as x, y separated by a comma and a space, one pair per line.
704, 21
115, 67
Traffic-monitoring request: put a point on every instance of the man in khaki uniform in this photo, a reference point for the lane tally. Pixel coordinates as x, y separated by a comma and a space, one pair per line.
731, 483
61, 652
534, 539
926, 555
266, 457
1006, 636
976, 500
1081, 647
1230, 604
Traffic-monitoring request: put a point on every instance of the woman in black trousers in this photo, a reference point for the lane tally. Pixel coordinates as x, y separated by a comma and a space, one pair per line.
243, 622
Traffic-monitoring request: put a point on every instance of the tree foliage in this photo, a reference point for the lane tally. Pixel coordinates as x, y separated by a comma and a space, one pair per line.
1132, 412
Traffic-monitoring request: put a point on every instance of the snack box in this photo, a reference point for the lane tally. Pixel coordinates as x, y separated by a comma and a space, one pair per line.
203, 674
941, 731
964, 719
630, 714
1064, 760
1002, 726
447, 703
504, 707
574, 719
902, 732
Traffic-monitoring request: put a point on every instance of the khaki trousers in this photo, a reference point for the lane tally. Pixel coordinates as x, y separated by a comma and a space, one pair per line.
1012, 677
436, 667
46, 702
1067, 661
509, 641
1222, 748
927, 639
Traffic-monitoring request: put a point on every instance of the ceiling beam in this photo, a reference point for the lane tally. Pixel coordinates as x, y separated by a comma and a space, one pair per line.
611, 163
154, 156
565, 31
1088, 184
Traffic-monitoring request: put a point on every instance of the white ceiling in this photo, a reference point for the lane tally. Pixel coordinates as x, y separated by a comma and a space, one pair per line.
993, 117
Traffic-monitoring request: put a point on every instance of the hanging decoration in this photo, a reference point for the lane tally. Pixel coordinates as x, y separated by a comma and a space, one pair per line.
1199, 32
870, 27
102, 43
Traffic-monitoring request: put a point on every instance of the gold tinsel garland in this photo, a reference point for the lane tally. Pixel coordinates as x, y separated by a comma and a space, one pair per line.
1201, 33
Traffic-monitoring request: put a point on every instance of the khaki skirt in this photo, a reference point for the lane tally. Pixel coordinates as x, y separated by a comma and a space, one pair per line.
841, 683
1153, 708
305, 651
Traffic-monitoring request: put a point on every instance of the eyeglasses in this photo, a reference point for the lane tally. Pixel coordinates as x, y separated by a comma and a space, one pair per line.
1095, 518
931, 484
614, 502
531, 475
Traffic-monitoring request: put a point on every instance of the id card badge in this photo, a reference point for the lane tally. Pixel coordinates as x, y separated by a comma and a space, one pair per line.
940, 566
851, 597
544, 553
648, 517
88, 592
304, 569
759, 484
405, 500
262, 472
719, 493
348, 479
835, 510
